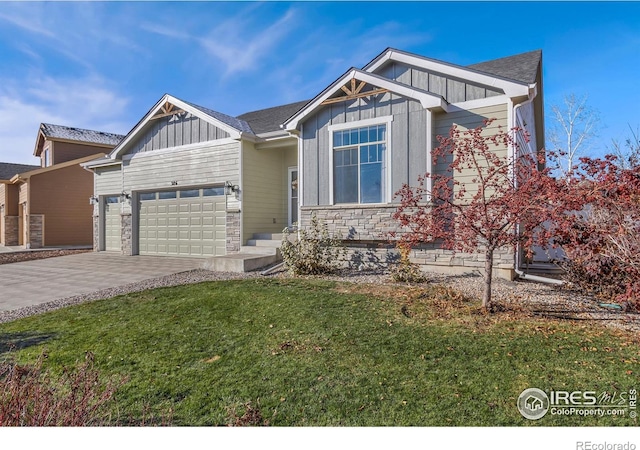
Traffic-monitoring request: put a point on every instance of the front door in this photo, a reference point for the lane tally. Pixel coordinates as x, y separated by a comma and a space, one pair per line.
293, 195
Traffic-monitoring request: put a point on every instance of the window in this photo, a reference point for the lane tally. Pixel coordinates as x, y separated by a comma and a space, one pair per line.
189, 193
208, 192
359, 166
164, 195
147, 196
46, 159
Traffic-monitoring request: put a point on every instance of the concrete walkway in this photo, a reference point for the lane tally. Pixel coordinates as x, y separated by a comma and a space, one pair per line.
34, 282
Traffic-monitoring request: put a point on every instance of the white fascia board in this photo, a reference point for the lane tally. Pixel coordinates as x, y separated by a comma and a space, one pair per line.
116, 152
426, 99
100, 163
510, 88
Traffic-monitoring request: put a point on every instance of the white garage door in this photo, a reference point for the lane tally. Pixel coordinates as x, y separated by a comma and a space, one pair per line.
188, 222
112, 238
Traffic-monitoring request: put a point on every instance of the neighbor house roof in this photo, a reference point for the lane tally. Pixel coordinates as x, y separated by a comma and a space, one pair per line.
522, 67
8, 170
234, 122
22, 176
80, 134
270, 119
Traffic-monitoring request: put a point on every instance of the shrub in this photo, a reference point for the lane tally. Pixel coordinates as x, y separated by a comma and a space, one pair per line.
313, 251
30, 396
404, 270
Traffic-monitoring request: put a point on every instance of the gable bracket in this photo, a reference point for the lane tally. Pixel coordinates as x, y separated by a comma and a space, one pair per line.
353, 92
166, 110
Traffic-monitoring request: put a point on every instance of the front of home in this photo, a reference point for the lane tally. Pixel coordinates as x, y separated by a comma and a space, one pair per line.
189, 181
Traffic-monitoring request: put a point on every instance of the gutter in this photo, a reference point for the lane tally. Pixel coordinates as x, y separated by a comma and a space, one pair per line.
518, 269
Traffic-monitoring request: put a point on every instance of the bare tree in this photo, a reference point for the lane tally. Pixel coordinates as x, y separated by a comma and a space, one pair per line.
574, 125
627, 152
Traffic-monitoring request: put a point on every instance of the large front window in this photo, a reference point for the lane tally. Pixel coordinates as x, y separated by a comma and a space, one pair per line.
359, 156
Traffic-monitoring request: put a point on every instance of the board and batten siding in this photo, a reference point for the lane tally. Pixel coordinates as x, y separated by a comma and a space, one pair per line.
264, 188
408, 141
453, 90
107, 180
180, 168
174, 131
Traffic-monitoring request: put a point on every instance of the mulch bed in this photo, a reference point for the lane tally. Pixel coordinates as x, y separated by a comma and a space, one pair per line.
14, 257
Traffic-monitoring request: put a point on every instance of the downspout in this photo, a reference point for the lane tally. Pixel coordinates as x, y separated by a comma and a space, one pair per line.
521, 274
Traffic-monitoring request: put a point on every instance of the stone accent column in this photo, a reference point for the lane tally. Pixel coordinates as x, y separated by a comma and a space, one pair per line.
96, 233
36, 230
126, 229
233, 231
11, 230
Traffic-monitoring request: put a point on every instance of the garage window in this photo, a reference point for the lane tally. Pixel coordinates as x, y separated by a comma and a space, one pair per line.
167, 194
190, 193
148, 196
209, 192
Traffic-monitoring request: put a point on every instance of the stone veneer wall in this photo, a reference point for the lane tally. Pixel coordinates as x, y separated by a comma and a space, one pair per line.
11, 230
96, 233
126, 227
364, 230
36, 230
233, 232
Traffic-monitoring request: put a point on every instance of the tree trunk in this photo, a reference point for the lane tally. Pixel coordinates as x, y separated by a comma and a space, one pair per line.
488, 272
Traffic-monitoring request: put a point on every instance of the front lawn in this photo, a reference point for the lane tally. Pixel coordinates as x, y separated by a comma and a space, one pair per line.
301, 352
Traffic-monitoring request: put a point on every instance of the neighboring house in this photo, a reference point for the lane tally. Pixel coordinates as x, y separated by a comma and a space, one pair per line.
191, 181
9, 202
49, 205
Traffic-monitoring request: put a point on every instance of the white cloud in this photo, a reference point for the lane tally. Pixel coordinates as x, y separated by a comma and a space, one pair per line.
85, 103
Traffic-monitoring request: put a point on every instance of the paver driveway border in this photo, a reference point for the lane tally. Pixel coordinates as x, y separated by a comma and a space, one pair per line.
32, 283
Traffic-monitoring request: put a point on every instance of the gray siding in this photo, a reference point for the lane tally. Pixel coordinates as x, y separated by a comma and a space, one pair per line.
175, 131
211, 164
408, 142
453, 90
107, 180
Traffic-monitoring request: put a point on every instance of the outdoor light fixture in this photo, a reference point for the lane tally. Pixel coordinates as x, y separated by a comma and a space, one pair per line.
93, 200
124, 197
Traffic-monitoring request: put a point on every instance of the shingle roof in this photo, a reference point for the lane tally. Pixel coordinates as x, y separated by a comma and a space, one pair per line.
8, 170
233, 122
522, 67
270, 119
80, 134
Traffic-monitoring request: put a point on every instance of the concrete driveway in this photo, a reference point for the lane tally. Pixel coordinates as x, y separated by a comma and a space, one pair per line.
34, 282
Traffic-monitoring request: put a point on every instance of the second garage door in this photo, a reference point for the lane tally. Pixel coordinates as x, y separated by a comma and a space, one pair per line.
188, 222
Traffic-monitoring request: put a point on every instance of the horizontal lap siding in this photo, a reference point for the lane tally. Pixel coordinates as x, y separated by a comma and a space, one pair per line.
264, 188
467, 120
212, 164
108, 180
67, 151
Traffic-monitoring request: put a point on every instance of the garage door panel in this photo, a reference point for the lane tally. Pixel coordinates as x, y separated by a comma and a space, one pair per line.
112, 224
189, 225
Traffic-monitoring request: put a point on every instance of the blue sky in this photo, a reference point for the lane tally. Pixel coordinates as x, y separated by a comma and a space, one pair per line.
103, 65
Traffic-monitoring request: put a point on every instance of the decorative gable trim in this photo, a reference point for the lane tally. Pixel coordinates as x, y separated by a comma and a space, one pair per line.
511, 88
168, 106
352, 83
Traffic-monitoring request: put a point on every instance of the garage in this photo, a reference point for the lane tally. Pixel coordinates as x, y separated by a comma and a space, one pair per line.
112, 237
186, 222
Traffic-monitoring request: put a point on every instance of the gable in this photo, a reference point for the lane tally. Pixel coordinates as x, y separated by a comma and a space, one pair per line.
174, 131
452, 89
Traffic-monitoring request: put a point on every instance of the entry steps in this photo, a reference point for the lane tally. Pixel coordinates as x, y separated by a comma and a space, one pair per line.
261, 251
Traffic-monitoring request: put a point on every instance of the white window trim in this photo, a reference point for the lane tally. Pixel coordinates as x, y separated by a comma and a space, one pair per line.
384, 120
290, 170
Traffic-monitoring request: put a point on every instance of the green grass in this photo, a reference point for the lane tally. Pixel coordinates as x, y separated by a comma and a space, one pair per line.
321, 353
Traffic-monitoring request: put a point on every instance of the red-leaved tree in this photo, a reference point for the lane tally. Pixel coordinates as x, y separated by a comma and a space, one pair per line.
602, 239
492, 195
